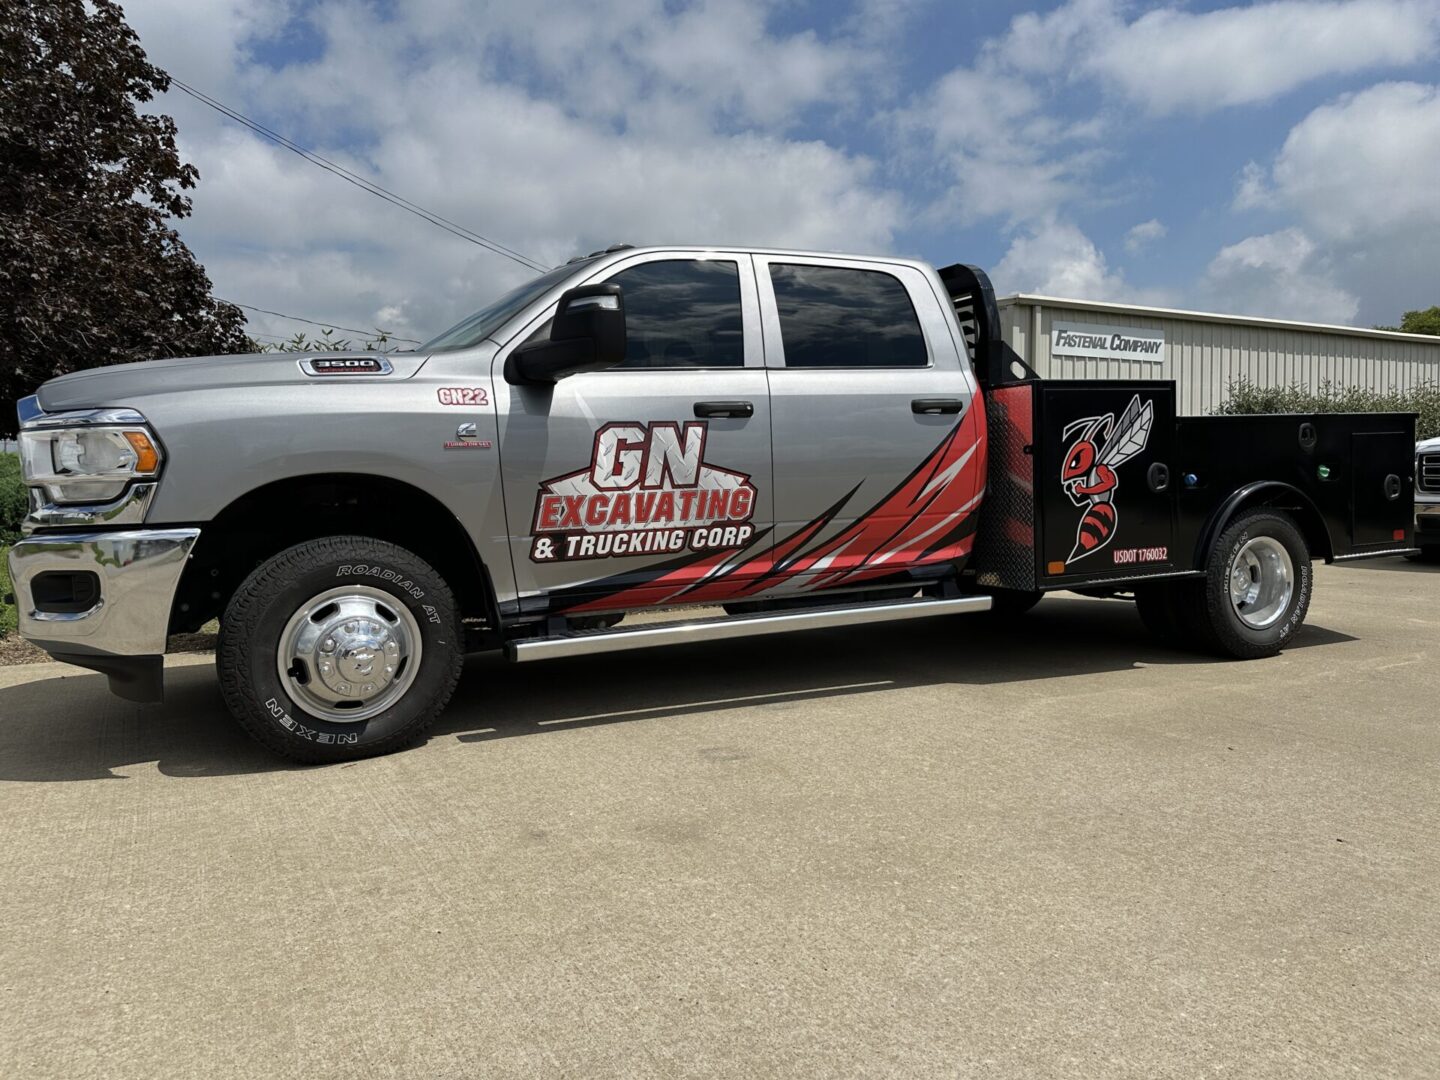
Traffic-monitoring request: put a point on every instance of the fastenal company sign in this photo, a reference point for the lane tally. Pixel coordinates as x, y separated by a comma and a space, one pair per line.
1107, 342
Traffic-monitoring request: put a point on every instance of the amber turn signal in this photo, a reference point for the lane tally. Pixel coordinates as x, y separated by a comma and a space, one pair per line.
147, 459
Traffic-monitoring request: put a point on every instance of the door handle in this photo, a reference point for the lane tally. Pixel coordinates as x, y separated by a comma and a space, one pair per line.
935, 406
731, 409
1158, 477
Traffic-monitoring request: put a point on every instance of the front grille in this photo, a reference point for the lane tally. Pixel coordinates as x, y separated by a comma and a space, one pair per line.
1427, 478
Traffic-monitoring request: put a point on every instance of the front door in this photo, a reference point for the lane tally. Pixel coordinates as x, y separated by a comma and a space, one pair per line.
625, 488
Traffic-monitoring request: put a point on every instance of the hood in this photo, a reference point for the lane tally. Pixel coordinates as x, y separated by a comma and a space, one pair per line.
1428, 446
120, 384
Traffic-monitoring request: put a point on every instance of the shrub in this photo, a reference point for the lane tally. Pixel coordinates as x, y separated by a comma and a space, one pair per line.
13, 499
1248, 398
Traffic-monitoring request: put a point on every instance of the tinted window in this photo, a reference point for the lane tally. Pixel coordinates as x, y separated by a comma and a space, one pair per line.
835, 317
683, 313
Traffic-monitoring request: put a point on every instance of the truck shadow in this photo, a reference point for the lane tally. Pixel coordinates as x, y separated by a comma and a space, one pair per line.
72, 729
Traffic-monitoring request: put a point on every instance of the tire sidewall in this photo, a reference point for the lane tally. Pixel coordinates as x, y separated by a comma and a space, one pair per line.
288, 583
1277, 527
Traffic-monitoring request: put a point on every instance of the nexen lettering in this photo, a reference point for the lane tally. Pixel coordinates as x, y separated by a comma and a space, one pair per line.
648, 489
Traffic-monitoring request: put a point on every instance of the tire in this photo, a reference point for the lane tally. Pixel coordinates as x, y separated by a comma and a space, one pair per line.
339, 604
1266, 547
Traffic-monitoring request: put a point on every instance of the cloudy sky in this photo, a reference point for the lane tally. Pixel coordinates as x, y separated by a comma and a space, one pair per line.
1279, 158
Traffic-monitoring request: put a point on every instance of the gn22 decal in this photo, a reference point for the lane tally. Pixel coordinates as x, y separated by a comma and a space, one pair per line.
463, 395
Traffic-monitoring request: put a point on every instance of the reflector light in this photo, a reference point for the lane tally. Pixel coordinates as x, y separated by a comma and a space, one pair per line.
1398, 534
1055, 568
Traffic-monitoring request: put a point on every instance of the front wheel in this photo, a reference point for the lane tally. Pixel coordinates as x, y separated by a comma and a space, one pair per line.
1256, 590
338, 649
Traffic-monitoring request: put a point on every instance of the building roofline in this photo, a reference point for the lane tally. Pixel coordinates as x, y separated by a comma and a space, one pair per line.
1033, 299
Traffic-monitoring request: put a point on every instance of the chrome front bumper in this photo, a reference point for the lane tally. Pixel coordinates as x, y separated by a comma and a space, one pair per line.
123, 634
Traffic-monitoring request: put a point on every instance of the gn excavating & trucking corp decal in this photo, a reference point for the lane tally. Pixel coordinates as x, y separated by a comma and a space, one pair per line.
648, 490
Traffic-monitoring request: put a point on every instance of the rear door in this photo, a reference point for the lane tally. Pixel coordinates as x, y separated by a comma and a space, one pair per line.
624, 487
879, 458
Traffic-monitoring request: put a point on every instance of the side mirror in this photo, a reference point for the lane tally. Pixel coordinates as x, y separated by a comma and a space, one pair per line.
587, 334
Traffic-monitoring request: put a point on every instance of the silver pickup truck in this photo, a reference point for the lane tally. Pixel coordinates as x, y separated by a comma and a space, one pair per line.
797, 439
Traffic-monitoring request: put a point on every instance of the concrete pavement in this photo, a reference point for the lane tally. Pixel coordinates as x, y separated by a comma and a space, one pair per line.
928, 849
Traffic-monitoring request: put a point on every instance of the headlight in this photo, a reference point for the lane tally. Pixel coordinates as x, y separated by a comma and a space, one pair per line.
87, 464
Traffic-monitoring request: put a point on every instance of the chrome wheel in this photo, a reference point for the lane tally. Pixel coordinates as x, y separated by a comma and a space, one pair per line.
349, 654
1262, 580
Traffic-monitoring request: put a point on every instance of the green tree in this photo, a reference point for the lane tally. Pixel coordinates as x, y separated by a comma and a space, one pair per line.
1418, 322
14, 499
91, 272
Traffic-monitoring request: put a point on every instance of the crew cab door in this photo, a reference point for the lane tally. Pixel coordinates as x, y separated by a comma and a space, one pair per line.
879, 456
624, 486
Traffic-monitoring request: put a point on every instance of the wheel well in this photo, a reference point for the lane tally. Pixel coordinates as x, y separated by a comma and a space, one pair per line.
1276, 496
266, 521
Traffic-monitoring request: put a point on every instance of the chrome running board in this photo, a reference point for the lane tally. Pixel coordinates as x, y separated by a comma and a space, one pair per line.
590, 642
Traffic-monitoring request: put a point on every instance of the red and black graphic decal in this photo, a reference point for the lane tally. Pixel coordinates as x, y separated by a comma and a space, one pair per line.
647, 491
927, 520
1101, 444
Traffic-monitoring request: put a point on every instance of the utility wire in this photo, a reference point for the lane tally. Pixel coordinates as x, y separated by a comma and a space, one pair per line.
359, 181
312, 322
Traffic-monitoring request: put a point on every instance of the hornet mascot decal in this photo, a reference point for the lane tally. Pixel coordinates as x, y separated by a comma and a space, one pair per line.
1088, 475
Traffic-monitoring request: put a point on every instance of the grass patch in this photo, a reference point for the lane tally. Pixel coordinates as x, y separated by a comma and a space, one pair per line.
7, 611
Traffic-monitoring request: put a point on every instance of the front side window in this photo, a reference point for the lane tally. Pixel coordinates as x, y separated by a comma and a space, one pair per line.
683, 313
836, 317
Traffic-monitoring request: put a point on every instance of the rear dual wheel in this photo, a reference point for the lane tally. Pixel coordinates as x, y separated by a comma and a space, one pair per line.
1254, 596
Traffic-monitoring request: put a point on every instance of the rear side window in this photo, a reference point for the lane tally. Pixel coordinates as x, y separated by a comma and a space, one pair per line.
832, 316
683, 313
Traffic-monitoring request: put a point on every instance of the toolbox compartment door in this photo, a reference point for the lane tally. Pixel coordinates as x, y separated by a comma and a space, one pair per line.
1105, 480
1382, 492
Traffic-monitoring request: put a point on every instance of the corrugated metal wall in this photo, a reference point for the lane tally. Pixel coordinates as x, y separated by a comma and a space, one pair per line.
1204, 357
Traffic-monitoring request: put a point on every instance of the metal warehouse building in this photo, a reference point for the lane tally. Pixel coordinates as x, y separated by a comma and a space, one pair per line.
1204, 353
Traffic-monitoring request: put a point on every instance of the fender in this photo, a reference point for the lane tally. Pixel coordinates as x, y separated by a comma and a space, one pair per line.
1262, 492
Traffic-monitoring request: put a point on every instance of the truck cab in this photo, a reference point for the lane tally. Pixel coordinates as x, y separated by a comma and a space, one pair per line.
787, 439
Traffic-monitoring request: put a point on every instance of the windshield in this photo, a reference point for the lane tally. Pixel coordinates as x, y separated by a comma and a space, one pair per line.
487, 320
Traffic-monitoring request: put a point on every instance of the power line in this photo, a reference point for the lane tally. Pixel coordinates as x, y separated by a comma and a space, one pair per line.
312, 322
359, 181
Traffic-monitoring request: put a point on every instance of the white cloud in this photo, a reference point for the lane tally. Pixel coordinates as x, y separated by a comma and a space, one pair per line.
1055, 258
1252, 192
1366, 164
1146, 233
1171, 60
617, 122
652, 121
1362, 175
1279, 275
1014, 149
